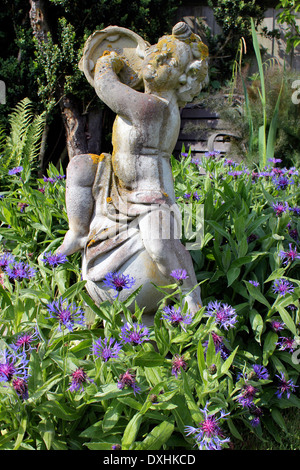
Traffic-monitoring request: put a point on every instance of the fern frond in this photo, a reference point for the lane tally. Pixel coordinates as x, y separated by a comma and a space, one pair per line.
23, 143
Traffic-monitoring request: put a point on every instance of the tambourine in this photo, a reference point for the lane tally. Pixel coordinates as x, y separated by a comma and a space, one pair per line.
129, 45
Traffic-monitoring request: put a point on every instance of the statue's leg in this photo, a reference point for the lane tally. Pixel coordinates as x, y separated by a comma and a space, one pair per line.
169, 254
79, 202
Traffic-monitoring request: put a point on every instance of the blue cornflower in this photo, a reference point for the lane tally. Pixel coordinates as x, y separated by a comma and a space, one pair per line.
261, 372
179, 275
254, 283
274, 160
256, 413
230, 162
281, 182
13, 366
219, 345
282, 287
280, 208
208, 435
235, 173
19, 271
54, 259
49, 180
6, 259
67, 315
196, 196
289, 256
285, 386
128, 380
178, 364
107, 348
175, 317
78, 379
25, 340
134, 334
277, 325
225, 315
247, 395
16, 170
286, 344
295, 210
212, 153
118, 281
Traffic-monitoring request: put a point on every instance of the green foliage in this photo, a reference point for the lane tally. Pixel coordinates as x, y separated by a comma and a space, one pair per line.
289, 15
45, 72
23, 143
242, 240
233, 16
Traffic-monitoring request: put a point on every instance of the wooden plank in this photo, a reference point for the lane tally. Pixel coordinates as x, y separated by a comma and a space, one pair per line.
198, 113
202, 146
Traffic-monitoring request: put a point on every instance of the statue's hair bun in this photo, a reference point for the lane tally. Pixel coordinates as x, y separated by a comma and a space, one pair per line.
181, 31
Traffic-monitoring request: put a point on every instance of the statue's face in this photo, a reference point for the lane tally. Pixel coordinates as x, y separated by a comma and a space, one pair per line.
192, 80
164, 63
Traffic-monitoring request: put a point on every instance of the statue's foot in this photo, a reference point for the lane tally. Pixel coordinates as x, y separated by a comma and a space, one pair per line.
193, 306
193, 300
71, 244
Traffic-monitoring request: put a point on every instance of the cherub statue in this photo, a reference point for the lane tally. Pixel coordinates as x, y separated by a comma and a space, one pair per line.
121, 208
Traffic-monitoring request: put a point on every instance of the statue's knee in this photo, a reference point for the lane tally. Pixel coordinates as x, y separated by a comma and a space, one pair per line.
81, 170
156, 250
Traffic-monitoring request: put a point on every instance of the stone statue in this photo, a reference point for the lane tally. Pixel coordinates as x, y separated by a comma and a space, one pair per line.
121, 207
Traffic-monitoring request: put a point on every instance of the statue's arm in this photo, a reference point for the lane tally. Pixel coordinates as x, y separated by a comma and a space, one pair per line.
119, 97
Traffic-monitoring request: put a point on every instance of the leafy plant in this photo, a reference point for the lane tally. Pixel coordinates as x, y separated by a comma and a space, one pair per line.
288, 15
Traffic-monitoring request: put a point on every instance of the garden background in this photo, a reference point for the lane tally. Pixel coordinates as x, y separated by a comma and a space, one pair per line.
71, 375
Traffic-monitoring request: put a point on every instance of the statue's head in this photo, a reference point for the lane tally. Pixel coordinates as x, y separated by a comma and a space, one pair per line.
178, 61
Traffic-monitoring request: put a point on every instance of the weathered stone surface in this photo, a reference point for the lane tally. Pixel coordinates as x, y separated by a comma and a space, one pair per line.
121, 208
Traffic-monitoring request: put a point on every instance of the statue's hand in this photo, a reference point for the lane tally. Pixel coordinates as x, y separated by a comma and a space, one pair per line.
110, 59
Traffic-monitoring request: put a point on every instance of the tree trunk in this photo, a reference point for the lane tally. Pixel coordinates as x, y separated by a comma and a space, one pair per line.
83, 131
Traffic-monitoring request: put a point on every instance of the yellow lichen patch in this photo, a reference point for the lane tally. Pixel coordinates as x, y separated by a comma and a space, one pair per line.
108, 199
203, 49
92, 241
106, 53
165, 194
97, 158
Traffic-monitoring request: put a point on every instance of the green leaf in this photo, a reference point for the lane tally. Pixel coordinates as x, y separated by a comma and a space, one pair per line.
232, 274
157, 437
201, 361
112, 415
108, 391
226, 365
277, 416
257, 295
269, 346
21, 432
210, 352
273, 129
233, 429
257, 324
73, 290
148, 359
94, 307
287, 319
192, 406
47, 432
131, 431
59, 410
181, 413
